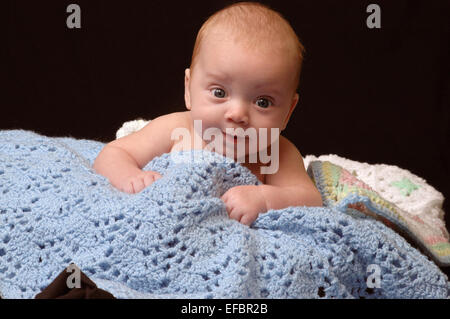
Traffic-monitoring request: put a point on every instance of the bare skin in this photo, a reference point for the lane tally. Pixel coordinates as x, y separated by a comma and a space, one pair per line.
229, 87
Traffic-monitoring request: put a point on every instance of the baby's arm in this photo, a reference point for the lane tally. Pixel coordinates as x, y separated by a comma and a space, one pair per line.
122, 160
290, 186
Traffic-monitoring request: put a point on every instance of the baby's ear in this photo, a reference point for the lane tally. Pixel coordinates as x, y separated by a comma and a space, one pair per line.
291, 109
187, 96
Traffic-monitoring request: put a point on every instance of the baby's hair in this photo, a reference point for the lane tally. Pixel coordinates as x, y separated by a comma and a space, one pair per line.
255, 23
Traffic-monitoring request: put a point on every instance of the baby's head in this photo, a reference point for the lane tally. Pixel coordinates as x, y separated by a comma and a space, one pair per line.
245, 69
257, 28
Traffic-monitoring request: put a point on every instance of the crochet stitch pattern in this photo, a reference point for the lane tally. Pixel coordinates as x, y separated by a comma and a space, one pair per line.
406, 186
336, 185
175, 240
425, 202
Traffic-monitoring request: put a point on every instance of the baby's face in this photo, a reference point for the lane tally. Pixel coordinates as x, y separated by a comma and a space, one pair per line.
235, 87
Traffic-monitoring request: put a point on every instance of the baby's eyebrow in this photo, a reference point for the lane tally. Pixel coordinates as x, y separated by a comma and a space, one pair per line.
218, 76
223, 77
268, 89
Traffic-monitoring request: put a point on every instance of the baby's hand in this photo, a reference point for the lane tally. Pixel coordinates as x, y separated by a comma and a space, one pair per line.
136, 183
244, 203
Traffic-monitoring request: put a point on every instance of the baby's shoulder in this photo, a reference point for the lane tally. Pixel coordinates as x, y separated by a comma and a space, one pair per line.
288, 153
181, 118
174, 120
286, 146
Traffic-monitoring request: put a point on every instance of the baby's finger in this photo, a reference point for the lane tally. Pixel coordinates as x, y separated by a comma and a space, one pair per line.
149, 179
226, 196
228, 208
246, 220
127, 188
138, 185
235, 214
157, 175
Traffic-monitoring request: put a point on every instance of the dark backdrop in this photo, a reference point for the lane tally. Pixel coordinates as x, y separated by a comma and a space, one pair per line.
371, 95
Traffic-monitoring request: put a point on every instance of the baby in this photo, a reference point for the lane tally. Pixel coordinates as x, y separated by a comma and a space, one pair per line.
243, 75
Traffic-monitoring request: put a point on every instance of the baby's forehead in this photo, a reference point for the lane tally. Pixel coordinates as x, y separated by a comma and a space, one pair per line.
254, 42
248, 33
254, 27
261, 68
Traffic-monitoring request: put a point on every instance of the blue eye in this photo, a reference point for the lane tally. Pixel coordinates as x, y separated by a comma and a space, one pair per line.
218, 93
264, 103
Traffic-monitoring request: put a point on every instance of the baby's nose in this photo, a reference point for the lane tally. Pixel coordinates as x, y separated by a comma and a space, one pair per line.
237, 113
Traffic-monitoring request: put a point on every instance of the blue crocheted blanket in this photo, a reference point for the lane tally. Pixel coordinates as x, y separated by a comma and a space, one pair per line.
175, 240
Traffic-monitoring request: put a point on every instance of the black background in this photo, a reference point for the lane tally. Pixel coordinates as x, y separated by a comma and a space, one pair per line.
370, 95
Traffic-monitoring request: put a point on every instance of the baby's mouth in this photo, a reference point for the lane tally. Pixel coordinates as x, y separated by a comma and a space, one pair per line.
229, 137
234, 138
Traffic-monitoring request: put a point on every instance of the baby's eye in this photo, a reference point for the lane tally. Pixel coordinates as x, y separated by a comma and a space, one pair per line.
263, 102
218, 93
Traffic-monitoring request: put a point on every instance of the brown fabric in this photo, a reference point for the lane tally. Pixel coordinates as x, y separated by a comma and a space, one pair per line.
58, 289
